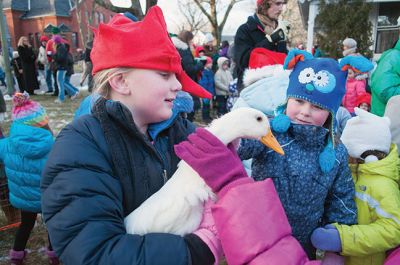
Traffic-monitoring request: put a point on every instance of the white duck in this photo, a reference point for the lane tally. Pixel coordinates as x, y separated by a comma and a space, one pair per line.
178, 206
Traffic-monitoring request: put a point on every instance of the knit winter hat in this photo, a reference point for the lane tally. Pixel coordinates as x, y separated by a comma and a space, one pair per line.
319, 81
198, 50
365, 132
144, 44
350, 43
265, 81
364, 98
44, 38
57, 39
27, 111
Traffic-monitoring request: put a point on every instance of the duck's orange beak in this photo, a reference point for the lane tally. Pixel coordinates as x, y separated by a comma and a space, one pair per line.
270, 141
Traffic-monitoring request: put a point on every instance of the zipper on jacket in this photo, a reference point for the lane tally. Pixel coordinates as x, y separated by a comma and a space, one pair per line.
165, 176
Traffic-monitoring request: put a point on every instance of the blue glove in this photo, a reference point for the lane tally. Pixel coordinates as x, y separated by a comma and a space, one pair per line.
327, 239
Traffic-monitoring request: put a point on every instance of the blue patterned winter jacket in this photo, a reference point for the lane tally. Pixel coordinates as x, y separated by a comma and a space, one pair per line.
24, 154
310, 197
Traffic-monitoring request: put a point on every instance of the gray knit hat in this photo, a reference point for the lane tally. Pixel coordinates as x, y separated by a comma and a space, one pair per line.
350, 43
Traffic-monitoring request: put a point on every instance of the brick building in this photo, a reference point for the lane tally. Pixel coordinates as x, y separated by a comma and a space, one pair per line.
33, 18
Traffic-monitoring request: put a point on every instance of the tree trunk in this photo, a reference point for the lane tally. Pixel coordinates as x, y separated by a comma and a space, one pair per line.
80, 23
89, 34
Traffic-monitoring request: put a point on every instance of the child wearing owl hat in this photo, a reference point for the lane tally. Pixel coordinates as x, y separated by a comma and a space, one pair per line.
313, 179
24, 153
374, 161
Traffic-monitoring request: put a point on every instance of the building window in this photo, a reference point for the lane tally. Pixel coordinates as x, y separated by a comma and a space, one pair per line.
388, 26
101, 16
74, 39
111, 17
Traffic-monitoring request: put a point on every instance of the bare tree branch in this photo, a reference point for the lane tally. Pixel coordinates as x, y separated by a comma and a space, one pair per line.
228, 10
199, 4
135, 9
212, 15
194, 18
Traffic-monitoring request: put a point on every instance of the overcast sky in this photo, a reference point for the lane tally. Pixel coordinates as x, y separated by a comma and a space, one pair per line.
237, 16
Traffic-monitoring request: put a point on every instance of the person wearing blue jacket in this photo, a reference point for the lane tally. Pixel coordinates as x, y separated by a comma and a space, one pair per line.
207, 81
105, 164
24, 153
313, 180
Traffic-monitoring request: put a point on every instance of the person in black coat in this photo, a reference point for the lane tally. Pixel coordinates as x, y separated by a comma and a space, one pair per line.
18, 71
106, 164
28, 59
263, 29
182, 43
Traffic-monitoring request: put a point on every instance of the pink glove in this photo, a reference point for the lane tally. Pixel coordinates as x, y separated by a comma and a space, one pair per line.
208, 232
217, 164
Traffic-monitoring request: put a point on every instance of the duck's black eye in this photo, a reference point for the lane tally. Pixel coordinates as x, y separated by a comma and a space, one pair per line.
259, 118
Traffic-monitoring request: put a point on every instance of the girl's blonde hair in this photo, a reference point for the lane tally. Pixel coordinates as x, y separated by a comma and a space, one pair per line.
101, 78
21, 41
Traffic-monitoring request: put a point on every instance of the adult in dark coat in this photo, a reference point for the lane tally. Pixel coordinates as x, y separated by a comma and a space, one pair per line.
104, 165
18, 71
182, 43
28, 59
263, 29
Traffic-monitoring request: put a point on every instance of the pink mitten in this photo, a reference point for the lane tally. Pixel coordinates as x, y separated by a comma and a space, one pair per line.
216, 163
208, 232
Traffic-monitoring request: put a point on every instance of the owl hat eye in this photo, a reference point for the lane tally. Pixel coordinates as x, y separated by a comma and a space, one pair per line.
324, 81
306, 76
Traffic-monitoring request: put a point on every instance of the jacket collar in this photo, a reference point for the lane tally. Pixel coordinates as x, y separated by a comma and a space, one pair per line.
124, 117
254, 23
309, 135
387, 167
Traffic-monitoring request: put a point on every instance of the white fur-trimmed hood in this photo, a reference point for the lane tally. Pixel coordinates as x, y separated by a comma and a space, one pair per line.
179, 44
253, 75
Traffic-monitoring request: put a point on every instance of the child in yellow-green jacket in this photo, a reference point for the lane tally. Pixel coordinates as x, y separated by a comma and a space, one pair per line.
375, 172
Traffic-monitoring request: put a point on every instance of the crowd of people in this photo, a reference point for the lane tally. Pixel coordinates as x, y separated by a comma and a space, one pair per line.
335, 188
52, 64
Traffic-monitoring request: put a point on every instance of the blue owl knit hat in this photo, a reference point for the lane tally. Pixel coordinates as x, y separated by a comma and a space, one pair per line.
319, 81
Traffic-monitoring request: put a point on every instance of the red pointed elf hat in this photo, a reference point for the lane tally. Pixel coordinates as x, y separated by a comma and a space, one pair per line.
143, 44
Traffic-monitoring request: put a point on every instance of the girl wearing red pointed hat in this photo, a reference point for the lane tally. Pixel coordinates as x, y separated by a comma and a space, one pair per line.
104, 165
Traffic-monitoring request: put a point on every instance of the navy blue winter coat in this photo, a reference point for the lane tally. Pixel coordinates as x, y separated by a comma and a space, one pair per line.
82, 199
310, 197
